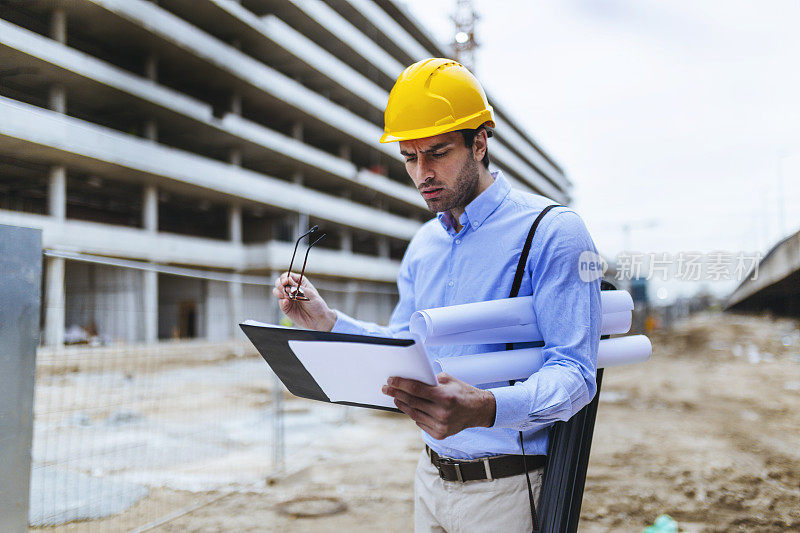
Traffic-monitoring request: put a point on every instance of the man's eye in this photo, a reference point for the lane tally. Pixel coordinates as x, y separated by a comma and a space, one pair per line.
410, 159
439, 154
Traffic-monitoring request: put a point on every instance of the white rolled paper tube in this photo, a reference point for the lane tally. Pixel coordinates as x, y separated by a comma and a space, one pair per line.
616, 301
623, 351
440, 321
520, 333
495, 367
613, 323
616, 323
496, 314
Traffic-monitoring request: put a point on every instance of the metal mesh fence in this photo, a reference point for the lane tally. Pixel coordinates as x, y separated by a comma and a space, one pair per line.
127, 435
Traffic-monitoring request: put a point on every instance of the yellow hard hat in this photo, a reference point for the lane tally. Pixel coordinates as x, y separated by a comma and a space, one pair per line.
434, 96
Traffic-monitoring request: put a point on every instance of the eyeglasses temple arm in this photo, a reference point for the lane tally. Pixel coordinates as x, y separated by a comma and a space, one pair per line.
306, 258
297, 242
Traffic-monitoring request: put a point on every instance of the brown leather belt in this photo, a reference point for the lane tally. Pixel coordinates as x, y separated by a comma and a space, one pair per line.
486, 468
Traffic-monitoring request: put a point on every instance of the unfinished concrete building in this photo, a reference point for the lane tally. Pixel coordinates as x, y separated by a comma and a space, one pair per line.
172, 150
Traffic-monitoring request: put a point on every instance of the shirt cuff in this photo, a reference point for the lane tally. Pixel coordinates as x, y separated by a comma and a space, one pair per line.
346, 324
511, 406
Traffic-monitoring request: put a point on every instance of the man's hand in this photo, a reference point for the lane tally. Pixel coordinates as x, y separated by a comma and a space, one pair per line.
311, 314
445, 409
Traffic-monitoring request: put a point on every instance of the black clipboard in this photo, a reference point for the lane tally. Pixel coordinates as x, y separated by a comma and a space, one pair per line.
272, 342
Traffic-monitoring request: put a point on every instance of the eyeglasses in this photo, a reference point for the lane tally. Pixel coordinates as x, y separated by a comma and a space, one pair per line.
297, 293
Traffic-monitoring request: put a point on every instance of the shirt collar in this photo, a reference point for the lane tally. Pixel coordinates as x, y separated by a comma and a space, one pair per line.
481, 207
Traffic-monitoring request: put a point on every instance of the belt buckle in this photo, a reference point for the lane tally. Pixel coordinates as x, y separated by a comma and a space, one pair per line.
455, 464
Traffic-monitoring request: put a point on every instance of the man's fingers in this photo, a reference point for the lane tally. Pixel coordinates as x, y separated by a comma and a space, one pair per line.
420, 417
417, 403
412, 387
281, 282
285, 279
286, 283
294, 278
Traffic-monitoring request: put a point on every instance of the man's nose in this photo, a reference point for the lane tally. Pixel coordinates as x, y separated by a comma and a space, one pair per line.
425, 170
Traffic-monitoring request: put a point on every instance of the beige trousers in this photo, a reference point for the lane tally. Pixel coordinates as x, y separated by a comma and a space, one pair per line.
497, 505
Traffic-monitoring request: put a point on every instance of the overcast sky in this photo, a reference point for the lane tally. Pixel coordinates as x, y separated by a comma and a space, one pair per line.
676, 117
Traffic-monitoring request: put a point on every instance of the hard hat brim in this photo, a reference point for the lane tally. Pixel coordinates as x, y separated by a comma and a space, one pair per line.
468, 123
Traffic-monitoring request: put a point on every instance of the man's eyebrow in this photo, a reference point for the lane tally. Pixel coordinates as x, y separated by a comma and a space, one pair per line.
433, 148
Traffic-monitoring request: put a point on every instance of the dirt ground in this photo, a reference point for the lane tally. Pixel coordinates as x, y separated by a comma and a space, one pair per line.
707, 431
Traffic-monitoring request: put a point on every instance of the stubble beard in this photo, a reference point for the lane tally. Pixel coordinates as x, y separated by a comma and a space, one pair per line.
466, 188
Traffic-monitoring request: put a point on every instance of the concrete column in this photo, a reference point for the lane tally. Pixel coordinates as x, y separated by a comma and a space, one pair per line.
236, 297
58, 32
346, 243
54, 303
302, 224
351, 298
57, 99
235, 294
235, 224
57, 197
150, 279
383, 247
150, 219
235, 157
347, 240
151, 67
150, 208
151, 73
58, 25
151, 130
236, 103
297, 131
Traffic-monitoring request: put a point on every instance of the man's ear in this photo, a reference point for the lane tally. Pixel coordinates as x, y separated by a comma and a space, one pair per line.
479, 145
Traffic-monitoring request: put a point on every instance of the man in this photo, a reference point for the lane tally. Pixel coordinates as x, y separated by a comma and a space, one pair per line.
491, 436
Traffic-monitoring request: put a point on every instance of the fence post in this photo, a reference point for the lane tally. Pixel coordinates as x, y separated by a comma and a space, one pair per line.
278, 442
20, 287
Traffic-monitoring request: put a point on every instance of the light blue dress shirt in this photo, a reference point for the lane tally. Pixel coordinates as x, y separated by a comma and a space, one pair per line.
443, 267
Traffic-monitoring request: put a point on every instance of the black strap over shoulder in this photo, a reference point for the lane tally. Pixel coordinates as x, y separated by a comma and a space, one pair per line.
523, 258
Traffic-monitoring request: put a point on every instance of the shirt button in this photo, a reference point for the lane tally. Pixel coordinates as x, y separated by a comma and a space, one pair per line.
450, 283
458, 241
477, 224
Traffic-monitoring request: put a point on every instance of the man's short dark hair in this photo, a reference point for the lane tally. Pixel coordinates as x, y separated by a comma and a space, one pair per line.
469, 140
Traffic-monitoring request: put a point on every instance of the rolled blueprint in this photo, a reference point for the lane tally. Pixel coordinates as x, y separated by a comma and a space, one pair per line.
613, 323
495, 367
506, 320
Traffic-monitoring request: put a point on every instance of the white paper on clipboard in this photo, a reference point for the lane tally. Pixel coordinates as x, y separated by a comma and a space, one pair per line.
354, 372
